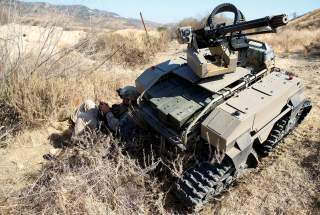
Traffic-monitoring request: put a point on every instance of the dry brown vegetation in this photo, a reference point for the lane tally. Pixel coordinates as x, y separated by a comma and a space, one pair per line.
301, 35
43, 84
99, 179
132, 49
309, 21
192, 22
290, 40
42, 87
3, 17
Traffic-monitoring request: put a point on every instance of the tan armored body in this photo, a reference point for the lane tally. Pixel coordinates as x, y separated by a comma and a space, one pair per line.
251, 111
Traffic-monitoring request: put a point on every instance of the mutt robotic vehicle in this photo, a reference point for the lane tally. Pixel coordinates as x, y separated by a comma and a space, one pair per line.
224, 100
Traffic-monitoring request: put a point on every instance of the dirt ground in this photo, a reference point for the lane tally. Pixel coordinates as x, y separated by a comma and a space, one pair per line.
287, 182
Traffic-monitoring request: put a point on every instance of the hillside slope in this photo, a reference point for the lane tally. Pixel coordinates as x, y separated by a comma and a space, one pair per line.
36, 13
299, 36
309, 20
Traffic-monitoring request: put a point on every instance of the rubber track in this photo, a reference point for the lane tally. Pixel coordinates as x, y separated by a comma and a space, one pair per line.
201, 183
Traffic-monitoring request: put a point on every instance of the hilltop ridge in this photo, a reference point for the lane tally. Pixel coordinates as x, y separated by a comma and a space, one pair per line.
36, 13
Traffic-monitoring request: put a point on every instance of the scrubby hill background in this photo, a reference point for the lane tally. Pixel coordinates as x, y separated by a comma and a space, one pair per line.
309, 20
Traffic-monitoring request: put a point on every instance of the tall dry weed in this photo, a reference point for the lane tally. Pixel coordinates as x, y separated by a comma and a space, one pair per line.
34, 83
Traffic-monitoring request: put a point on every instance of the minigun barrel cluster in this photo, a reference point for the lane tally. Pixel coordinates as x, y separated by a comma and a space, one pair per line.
210, 34
269, 21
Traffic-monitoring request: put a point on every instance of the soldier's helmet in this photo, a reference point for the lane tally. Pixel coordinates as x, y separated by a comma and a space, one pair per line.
128, 92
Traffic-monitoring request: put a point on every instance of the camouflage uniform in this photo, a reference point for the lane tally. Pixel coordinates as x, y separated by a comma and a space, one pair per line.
123, 126
117, 120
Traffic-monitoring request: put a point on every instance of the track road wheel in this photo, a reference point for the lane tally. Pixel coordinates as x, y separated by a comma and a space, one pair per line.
282, 128
202, 183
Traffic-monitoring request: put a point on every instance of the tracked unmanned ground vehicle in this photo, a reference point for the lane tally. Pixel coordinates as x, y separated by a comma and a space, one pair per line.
225, 98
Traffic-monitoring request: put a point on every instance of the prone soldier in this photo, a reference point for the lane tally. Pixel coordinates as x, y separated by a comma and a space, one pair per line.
115, 118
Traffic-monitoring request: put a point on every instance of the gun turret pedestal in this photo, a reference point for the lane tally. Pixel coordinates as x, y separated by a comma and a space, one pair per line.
212, 61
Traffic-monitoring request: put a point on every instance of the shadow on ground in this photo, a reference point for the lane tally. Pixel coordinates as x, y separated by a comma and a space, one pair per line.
61, 140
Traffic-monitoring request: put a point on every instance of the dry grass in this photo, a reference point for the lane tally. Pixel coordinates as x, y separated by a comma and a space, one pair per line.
132, 49
3, 16
38, 98
10, 123
44, 74
291, 40
43, 85
97, 180
309, 21
301, 35
192, 22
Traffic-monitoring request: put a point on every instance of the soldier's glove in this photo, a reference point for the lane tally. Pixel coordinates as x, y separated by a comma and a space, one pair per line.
104, 107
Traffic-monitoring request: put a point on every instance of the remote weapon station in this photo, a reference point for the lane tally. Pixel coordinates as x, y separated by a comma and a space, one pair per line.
224, 100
